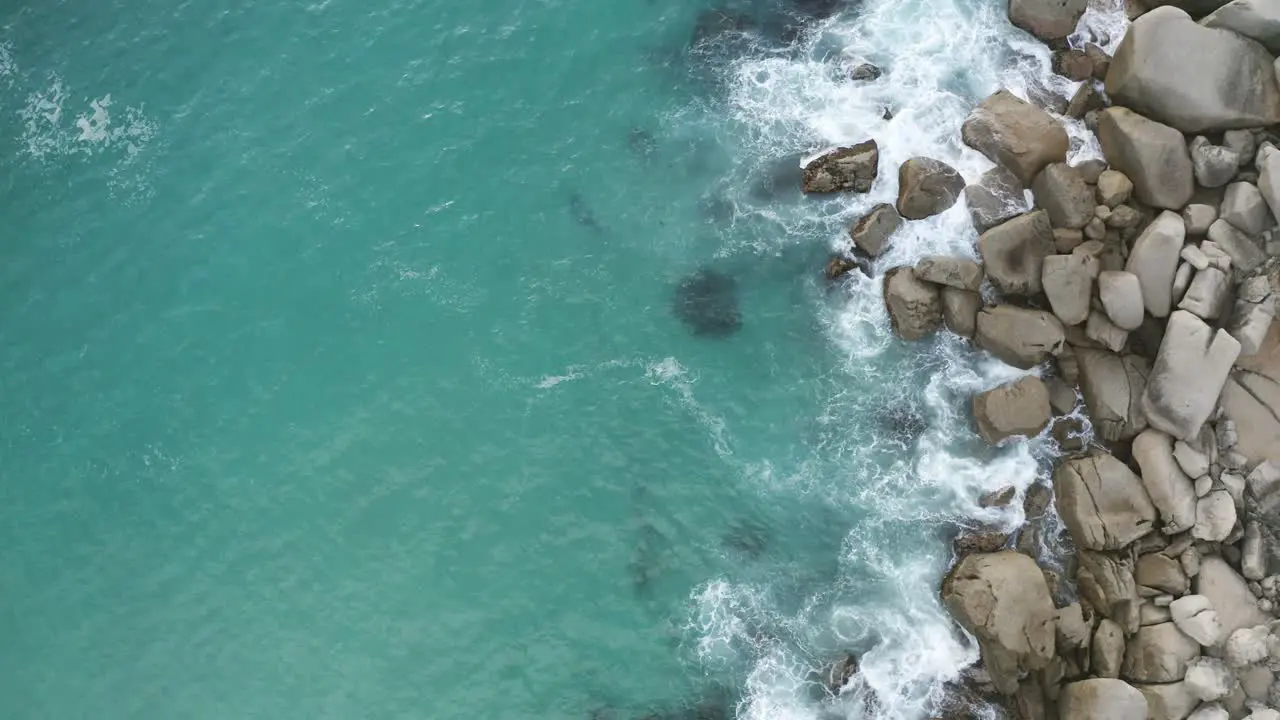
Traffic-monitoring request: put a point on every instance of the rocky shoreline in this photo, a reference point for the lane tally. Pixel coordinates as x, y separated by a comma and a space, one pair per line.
1143, 287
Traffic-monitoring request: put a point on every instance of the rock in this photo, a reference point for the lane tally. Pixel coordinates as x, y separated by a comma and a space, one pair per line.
1214, 255
1050, 20
1114, 188
1073, 630
1096, 229
1102, 331
1124, 217
844, 169
1158, 654
1195, 257
1228, 595
1085, 100
1190, 559
927, 187
1243, 143
1181, 281
1252, 315
1099, 698
1215, 517
1168, 701
1161, 572
1255, 19
1151, 614
1154, 259
1121, 295
1194, 615
1209, 679
1207, 295
1113, 386
1073, 64
871, 233
1101, 60
1246, 646
1020, 337
1244, 252
1256, 681
960, 310
951, 271
997, 197
840, 265
1198, 218
1108, 649
1253, 559
1069, 433
1210, 711
1106, 582
1264, 713
864, 72
915, 307
1068, 282
998, 498
1227, 83
1063, 193
1013, 253
1192, 462
1213, 165
1269, 177
1102, 502
1188, 376
1154, 156
1016, 134
1171, 491
978, 540
1244, 207
1003, 600
1019, 408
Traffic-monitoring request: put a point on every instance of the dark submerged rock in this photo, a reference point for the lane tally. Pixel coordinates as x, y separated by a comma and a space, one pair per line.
582, 213
707, 303
640, 141
747, 537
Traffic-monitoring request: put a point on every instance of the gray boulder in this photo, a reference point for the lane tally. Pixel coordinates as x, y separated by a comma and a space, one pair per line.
1113, 386
1171, 491
872, 232
1198, 218
1255, 19
1243, 250
960, 310
1050, 20
1227, 82
1102, 331
1194, 615
1099, 698
1063, 193
927, 187
1229, 596
1153, 155
1190, 370
1019, 408
1244, 207
998, 196
1013, 253
1121, 295
915, 306
1102, 503
1207, 294
1214, 165
1068, 283
955, 272
1154, 259
1215, 517
1020, 337
1158, 654
1015, 134
844, 169
1269, 177
1168, 701
1209, 679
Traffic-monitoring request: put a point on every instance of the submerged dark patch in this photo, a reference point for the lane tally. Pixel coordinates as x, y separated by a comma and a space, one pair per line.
707, 303
582, 213
640, 142
748, 537
903, 421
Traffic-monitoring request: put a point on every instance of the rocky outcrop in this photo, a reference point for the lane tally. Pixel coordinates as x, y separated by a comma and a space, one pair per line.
1013, 253
1020, 337
1154, 260
1190, 370
1102, 502
1097, 698
954, 272
1019, 408
1015, 134
915, 306
844, 169
1113, 386
1258, 20
872, 232
1152, 155
1064, 195
927, 187
1171, 491
1228, 82
1002, 598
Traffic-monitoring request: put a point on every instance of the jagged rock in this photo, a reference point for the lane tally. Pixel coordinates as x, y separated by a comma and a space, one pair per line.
1068, 283
1215, 517
1020, 337
1255, 19
1064, 195
1190, 371
960, 310
1246, 646
1192, 462
1086, 99
1015, 134
1073, 64
1170, 490
1074, 632
1228, 594
1113, 386
1098, 698
915, 306
1252, 315
1213, 165
1207, 295
1244, 207
1198, 218
927, 187
1002, 598
1051, 21
1209, 679
1244, 252
1102, 502
864, 72
1161, 572
1121, 295
1154, 259
1019, 408
1154, 156
1114, 188
997, 197
1013, 253
1124, 217
1105, 333
872, 232
951, 271
1194, 615
1158, 654
1243, 142
1106, 582
1227, 83
844, 169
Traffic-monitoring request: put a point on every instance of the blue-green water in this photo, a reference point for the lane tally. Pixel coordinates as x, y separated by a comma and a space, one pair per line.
341, 377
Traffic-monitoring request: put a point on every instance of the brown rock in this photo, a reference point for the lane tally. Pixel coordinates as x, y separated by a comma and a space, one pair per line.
844, 169
927, 187
915, 306
1019, 408
1015, 134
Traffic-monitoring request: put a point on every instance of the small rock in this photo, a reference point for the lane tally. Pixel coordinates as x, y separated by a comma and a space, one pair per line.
1020, 337
1207, 294
1108, 649
1187, 378
997, 197
1068, 283
1063, 193
1181, 281
1073, 64
1067, 239
1158, 654
1121, 295
1193, 462
1246, 646
1195, 616
1253, 560
1124, 217
998, 498
1244, 250
864, 72
1161, 572
1154, 259
1215, 517
1114, 188
1101, 60
1195, 256
1198, 218
1069, 433
1104, 332
1242, 142
1209, 679
1190, 561
1153, 155
1244, 207
872, 232
1013, 253
1091, 169
1204, 484
844, 169
1210, 711
1214, 165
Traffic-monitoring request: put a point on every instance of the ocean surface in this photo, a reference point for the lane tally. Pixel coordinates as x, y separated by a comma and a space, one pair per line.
344, 373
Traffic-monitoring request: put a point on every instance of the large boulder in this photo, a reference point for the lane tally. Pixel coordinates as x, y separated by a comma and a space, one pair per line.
846, 168
1153, 156
1229, 596
1015, 134
1014, 252
1019, 408
1098, 698
955, 272
1106, 581
1112, 386
996, 197
1154, 259
872, 232
1107, 651
1063, 193
1121, 296
927, 187
1158, 654
915, 306
1214, 165
1258, 20
1068, 283
1020, 337
1003, 599
1227, 82
960, 310
1190, 370
1102, 503
1171, 491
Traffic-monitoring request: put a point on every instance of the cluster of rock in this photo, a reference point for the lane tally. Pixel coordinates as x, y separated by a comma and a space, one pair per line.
1145, 281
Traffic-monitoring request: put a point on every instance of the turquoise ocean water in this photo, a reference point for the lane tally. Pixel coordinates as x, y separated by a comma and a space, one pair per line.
341, 377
